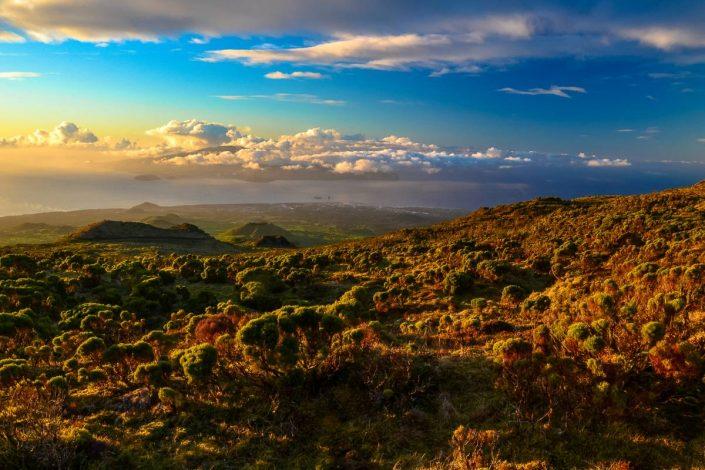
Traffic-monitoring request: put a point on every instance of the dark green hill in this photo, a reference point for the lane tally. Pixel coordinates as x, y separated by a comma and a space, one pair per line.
184, 236
164, 221
255, 230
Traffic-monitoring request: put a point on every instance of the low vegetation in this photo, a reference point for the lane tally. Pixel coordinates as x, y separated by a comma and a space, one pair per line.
546, 334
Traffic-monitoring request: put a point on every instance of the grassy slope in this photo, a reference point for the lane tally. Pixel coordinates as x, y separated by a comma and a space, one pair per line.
613, 237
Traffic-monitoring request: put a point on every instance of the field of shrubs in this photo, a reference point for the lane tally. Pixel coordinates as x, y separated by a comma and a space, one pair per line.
546, 334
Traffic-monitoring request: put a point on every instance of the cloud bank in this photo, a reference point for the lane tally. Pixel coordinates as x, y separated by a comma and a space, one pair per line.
198, 148
211, 147
64, 134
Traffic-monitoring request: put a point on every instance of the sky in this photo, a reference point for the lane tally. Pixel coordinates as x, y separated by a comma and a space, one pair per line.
479, 102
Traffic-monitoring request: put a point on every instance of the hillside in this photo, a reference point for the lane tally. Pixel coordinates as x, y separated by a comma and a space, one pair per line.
256, 230
186, 236
33, 232
309, 223
546, 334
164, 221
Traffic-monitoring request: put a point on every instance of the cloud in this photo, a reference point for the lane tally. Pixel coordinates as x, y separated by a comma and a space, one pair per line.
289, 76
322, 150
666, 38
452, 50
360, 167
10, 37
330, 152
626, 130
286, 97
378, 52
64, 134
606, 162
669, 75
648, 133
194, 133
198, 148
553, 90
97, 21
453, 36
18, 75
492, 152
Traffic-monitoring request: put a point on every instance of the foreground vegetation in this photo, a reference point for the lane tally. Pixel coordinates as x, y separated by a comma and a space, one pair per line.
547, 334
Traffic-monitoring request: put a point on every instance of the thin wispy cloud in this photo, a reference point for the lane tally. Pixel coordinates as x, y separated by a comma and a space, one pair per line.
199, 41
666, 37
649, 133
562, 91
670, 75
11, 38
18, 75
286, 97
277, 75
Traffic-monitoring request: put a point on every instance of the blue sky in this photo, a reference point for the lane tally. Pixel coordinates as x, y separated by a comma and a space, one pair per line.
609, 84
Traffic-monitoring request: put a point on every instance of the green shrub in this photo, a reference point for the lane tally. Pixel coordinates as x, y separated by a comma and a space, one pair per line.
153, 374
579, 331
653, 331
594, 344
170, 397
513, 294
91, 347
458, 283
197, 362
512, 349
57, 384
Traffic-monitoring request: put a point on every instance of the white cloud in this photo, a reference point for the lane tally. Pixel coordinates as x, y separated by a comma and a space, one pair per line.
288, 76
319, 149
665, 38
194, 133
561, 91
360, 166
492, 152
378, 52
18, 75
10, 37
286, 97
64, 134
606, 162
452, 49
202, 148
